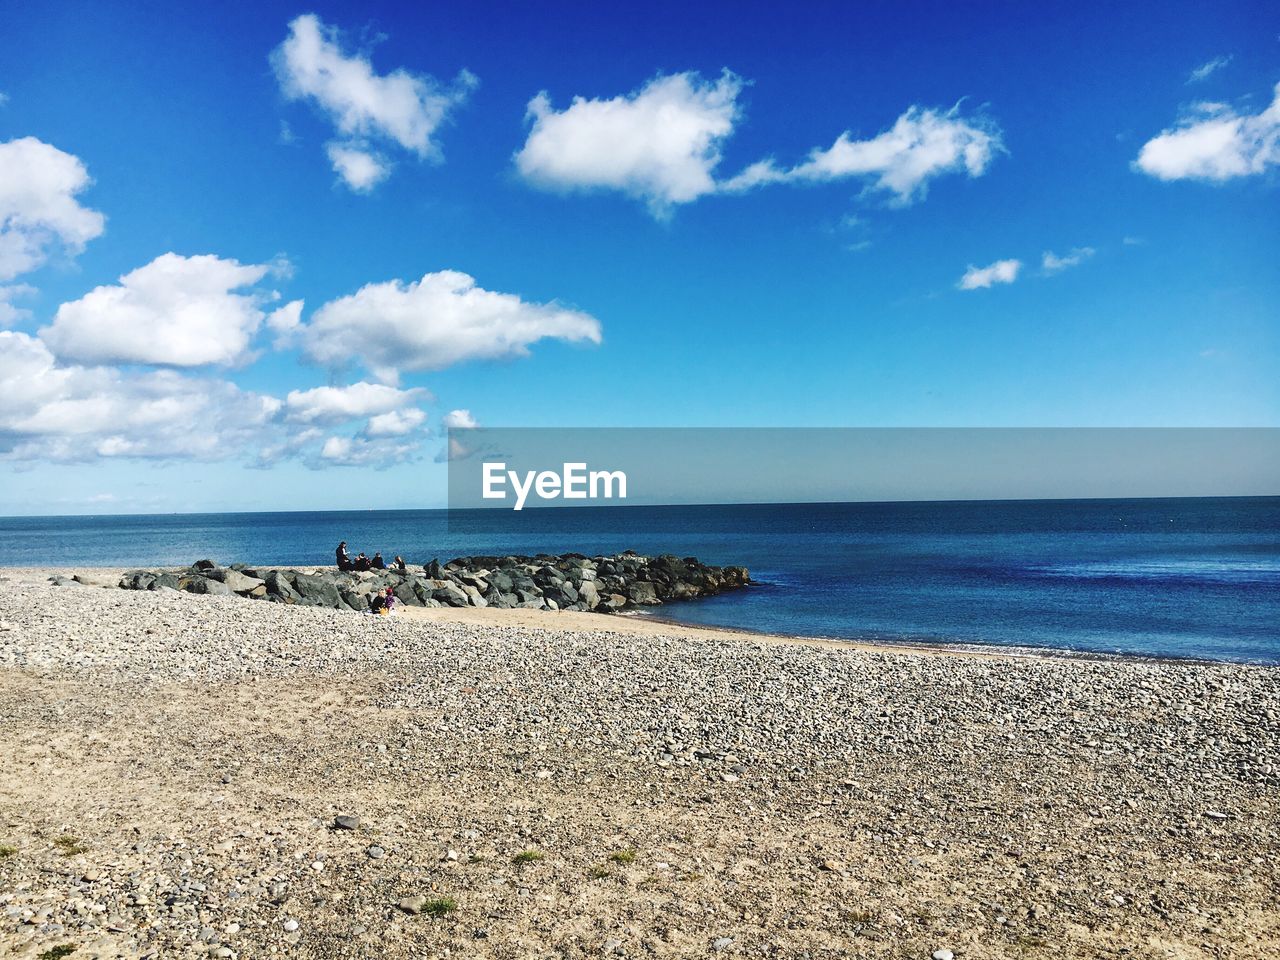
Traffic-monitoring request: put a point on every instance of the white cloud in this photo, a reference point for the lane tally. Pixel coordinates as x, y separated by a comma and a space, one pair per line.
1215, 142
38, 208
395, 423
359, 452
921, 144
400, 107
50, 411
460, 420
328, 405
1002, 271
660, 143
360, 169
9, 314
435, 322
1205, 70
179, 311
1052, 263
455, 449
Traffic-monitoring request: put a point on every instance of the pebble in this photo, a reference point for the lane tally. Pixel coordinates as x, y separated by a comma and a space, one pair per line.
290, 926
345, 821
943, 954
413, 905
376, 853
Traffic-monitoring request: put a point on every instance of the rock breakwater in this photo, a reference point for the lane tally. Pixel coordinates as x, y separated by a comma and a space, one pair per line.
570, 581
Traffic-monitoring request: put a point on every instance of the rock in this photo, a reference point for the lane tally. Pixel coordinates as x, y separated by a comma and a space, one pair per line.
566, 582
643, 592
290, 926
207, 586
376, 853
721, 943
316, 591
345, 821
413, 905
279, 587
91, 580
450, 595
239, 583
943, 954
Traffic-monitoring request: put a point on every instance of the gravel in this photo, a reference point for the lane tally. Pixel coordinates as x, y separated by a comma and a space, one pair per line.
187, 774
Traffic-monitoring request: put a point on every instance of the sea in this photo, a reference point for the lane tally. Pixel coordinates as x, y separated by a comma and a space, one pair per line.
1164, 578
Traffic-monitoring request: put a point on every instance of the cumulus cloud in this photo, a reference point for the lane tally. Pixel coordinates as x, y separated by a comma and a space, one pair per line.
10, 314
1215, 142
1205, 70
328, 405
660, 143
177, 311
359, 168
922, 144
39, 212
362, 452
51, 411
460, 420
398, 108
432, 323
978, 278
1052, 263
395, 423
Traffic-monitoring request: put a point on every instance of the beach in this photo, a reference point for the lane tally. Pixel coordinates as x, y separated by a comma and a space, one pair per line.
189, 775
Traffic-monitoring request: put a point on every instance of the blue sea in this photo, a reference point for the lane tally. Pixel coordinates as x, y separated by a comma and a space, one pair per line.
1197, 578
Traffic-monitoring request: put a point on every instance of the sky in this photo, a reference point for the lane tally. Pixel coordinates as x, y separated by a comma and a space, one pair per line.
259, 257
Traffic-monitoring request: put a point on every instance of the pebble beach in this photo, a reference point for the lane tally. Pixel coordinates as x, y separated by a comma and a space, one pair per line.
202, 775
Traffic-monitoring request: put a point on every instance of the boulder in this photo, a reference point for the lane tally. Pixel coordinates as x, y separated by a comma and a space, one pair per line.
239, 582
208, 586
316, 591
612, 603
280, 589
642, 592
451, 595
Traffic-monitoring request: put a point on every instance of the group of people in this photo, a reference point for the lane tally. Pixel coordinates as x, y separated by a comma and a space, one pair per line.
361, 562
380, 601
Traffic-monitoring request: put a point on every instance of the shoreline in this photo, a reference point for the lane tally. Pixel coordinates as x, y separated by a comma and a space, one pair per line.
601, 621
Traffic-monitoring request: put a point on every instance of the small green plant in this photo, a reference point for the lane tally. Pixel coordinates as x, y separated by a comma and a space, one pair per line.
600, 872
57, 953
623, 856
7, 851
440, 906
69, 846
527, 856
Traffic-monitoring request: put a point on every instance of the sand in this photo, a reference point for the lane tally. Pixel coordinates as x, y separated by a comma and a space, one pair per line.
578, 785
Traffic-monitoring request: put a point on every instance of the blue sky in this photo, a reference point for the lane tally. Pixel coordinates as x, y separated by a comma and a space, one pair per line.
648, 282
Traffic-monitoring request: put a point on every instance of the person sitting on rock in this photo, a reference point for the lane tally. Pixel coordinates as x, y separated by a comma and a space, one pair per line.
399, 565
377, 562
361, 562
344, 561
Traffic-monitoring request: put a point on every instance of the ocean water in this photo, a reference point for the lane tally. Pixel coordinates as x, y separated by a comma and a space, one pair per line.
1193, 578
